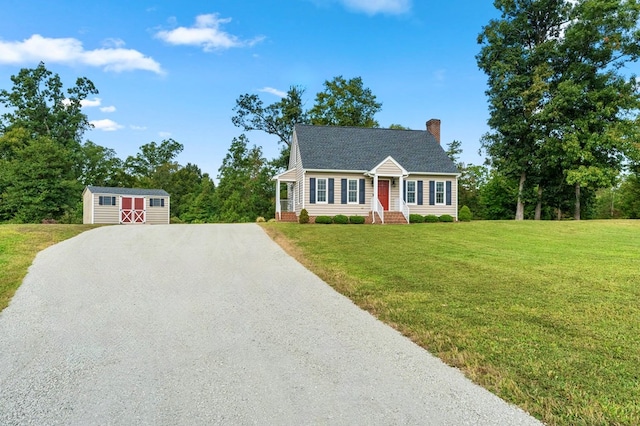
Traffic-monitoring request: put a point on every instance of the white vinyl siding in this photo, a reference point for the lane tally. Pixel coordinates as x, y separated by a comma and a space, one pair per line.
388, 168
436, 209
326, 209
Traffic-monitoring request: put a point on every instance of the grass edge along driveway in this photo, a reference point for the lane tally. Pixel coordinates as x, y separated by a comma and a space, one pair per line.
19, 245
544, 314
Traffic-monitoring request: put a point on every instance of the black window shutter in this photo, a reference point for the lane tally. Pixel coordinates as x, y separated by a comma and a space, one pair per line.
343, 191
362, 191
331, 190
404, 194
100, 200
312, 190
448, 192
161, 202
113, 201
432, 193
420, 195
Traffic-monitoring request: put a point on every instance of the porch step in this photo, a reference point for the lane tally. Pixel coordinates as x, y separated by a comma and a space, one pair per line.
394, 218
288, 217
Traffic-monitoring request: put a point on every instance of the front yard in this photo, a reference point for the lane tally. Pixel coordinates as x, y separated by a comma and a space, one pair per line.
544, 314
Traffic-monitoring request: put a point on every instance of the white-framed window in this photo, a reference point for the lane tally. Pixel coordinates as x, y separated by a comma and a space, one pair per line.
106, 201
411, 191
156, 202
439, 192
352, 191
321, 190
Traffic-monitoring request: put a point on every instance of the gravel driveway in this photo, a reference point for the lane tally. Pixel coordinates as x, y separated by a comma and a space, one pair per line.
211, 324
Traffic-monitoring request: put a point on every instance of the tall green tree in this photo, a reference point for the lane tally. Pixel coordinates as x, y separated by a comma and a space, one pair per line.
453, 151
41, 158
37, 180
245, 190
275, 119
99, 166
153, 165
200, 206
345, 103
560, 109
515, 54
629, 196
592, 110
38, 102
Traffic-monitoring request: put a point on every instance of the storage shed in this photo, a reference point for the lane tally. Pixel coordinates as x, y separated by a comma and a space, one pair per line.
101, 204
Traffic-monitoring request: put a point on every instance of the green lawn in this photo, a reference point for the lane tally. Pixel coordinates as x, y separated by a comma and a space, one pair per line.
19, 245
544, 314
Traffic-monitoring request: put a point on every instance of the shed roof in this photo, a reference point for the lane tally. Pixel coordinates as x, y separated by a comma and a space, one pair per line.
360, 148
127, 191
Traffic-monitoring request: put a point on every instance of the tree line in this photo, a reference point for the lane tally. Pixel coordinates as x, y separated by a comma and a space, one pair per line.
563, 139
563, 114
491, 195
45, 163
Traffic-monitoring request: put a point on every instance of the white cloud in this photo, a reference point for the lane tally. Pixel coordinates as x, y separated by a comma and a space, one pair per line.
138, 128
110, 108
372, 7
273, 91
91, 102
206, 33
85, 103
70, 51
106, 125
164, 135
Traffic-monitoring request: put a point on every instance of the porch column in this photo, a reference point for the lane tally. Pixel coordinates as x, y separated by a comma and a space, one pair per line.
291, 195
278, 210
374, 202
401, 194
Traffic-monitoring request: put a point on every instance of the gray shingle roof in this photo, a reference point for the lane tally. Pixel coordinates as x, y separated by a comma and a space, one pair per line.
358, 148
127, 191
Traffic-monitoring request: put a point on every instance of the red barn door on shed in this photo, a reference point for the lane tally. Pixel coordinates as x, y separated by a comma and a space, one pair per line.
132, 210
126, 210
138, 210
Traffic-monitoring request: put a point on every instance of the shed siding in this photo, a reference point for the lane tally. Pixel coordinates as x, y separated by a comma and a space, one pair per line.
388, 168
86, 207
157, 215
105, 214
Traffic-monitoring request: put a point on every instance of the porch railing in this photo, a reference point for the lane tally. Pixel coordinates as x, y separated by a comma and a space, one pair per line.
286, 205
404, 209
376, 207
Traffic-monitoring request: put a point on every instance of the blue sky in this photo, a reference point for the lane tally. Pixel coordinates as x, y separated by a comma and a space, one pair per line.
174, 69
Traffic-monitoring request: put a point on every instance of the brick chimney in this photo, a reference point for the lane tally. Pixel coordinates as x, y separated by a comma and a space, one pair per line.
433, 127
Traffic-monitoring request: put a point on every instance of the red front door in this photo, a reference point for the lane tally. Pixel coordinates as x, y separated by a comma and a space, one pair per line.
132, 210
383, 193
